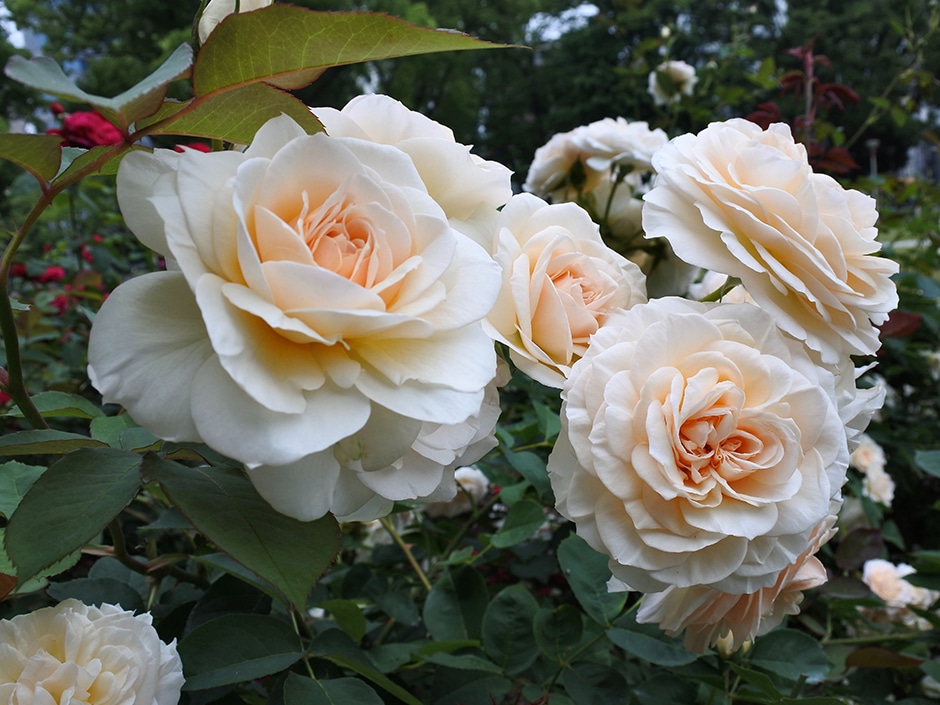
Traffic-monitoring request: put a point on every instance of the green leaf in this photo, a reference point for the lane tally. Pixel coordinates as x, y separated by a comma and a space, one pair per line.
760, 681
791, 654
38, 154
335, 691
139, 101
237, 648
523, 519
558, 631
289, 44
508, 636
348, 615
18, 305
223, 505
532, 468
74, 159
928, 461
665, 688
38, 581
464, 662
587, 573
649, 642
235, 115
455, 606
69, 505
594, 684
44, 442
15, 481
94, 591
334, 645
55, 404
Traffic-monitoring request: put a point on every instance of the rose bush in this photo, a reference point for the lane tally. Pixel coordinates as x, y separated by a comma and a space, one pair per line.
318, 325
560, 282
699, 447
744, 202
73, 653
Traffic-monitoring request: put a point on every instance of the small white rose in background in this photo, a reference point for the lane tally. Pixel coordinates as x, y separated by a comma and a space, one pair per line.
699, 447
218, 10
887, 581
670, 81
560, 282
744, 201
320, 322
712, 618
600, 147
472, 486
869, 459
75, 653
468, 188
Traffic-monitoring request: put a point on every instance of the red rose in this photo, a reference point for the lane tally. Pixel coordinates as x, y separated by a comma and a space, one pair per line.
51, 275
87, 129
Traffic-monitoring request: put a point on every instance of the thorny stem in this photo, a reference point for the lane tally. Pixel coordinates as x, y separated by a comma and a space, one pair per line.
407, 551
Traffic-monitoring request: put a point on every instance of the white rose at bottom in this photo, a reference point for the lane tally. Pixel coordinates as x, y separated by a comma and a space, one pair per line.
699, 447
709, 617
75, 654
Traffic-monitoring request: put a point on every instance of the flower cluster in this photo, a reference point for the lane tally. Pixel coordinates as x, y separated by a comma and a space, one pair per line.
704, 446
887, 581
333, 330
869, 459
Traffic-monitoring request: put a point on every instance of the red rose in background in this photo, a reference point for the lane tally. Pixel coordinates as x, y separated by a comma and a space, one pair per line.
87, 130
51, 275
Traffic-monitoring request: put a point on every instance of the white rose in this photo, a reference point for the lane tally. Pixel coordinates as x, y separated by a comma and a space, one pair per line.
867, 455
598, 149
472, 486
680, 80
74, 653
878, 485
709, 617
613, 142
743, 201
560, 282
320, 319
218, 10
699, 447
886, 580
466, 186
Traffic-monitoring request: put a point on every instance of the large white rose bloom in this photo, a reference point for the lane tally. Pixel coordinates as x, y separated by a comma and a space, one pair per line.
560, 282
744, 201
319, 322
709, 617
74, 654
699, 447
467, 187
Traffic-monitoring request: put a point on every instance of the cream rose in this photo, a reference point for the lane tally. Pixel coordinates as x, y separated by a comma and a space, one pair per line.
887, 581
599, 149
670, 81
560, 282
699, 447
879, 486
709, 617
467, 187
320, 321
743, 201
73, 653
218, 10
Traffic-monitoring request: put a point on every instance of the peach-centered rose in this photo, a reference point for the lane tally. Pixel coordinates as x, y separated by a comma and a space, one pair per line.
744, 201
74, 653
699, 447
320, 322
709, 617
468, 188
560, 282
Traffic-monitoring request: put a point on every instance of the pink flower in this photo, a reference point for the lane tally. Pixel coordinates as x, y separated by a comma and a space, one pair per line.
51, 275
